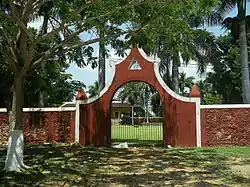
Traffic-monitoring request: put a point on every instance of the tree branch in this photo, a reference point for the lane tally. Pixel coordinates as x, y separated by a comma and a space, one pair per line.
52, 51
39, 4
11, 54
27, 11
16, 20
62, 26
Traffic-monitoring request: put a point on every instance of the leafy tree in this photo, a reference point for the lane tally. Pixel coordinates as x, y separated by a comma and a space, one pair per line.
184, 83
224, 83
156, 104
138, 94
58, 85
208, 96
20, 48
93, 90
226, 78
238, 29
173, 37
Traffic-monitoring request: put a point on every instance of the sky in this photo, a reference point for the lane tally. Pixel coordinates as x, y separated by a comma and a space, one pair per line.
88, 75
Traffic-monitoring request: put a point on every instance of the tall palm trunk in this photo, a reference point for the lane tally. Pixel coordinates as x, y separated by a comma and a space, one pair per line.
43, 71
175, 72
102, 68
243, 51
14, 158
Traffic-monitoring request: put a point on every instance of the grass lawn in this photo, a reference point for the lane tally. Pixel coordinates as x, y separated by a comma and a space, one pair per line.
60, 165
137, 135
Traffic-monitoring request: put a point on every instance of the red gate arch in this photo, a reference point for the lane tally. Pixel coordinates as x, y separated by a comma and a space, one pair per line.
181, 115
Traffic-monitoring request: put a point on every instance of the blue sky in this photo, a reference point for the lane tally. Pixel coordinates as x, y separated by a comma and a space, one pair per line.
87, 75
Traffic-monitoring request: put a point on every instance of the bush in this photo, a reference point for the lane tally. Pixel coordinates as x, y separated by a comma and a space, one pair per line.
126, 120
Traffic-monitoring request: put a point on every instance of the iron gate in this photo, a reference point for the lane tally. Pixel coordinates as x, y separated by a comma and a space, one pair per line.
136, 116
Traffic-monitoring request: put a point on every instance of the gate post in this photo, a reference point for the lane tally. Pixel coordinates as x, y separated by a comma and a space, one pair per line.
81, 95
77, 121
195, 93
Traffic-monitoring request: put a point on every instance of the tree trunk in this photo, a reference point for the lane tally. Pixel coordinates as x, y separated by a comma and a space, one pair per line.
146, 100
41, 99
102, 67
43, 71
167, 77
243, 52
175, 74
132, 115
14, 158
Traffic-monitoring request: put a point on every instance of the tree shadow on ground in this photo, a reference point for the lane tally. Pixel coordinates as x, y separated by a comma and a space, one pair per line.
60, 165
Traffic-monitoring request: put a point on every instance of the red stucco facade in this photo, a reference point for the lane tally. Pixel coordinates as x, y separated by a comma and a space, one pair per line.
225, 126
44, 126
179, 117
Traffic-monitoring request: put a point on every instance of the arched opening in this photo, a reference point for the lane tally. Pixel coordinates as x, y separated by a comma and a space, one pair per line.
136, 115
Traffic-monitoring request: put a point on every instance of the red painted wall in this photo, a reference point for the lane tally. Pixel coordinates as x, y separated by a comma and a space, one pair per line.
220, 127
41, 127
179, 118
224, 127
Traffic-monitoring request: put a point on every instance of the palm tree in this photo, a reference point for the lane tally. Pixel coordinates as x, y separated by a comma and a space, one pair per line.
237, 26
185, 82
93, 90
137, 93
195, 44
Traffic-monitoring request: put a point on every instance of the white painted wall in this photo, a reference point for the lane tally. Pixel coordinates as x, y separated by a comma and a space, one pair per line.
225, 106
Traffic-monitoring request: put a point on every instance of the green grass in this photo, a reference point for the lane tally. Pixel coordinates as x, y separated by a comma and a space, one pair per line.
137, 135
231, 151
60, 165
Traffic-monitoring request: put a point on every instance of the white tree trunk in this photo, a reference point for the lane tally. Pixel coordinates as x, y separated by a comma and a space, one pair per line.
14, 158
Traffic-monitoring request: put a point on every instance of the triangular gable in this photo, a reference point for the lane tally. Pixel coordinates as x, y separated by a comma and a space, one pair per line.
134, 65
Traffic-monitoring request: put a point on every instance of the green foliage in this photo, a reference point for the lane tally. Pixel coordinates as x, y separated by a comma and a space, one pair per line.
184, 83
208, 95
156, 104
93, 90
226, 78
210, 99
58, 86
126, 120
133, 92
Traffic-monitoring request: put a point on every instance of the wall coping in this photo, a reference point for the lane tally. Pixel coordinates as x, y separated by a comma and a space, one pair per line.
56, 109
225, 106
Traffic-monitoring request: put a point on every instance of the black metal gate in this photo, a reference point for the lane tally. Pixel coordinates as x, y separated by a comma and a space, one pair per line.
136, 116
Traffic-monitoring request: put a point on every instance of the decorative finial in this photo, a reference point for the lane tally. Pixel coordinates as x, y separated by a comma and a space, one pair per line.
81, 95
194, 91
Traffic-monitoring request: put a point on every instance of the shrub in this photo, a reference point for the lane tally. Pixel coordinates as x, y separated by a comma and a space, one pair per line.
126, 120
